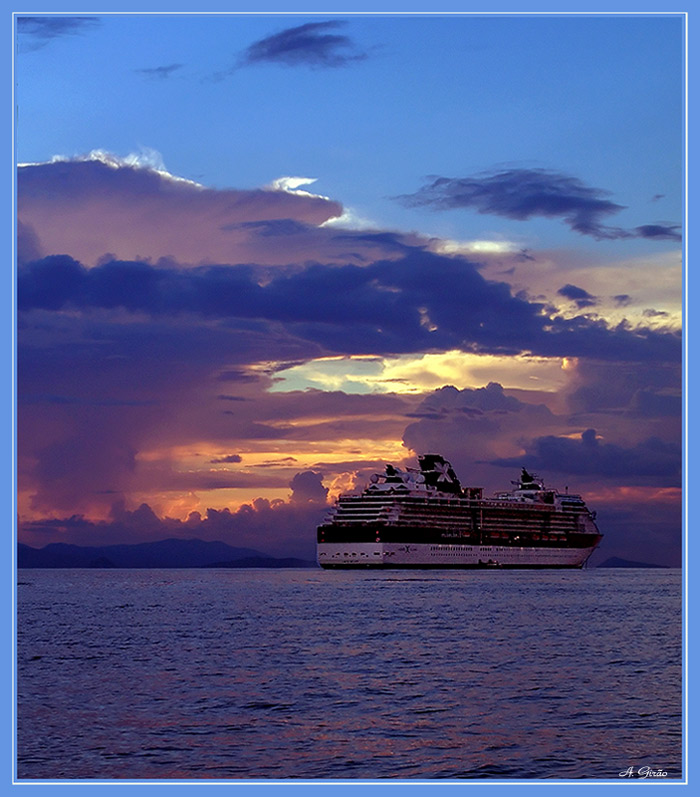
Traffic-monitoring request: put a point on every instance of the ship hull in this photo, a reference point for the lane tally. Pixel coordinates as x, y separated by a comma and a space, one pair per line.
366, 555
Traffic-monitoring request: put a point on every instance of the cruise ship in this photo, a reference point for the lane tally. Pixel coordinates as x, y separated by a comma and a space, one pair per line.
423, 518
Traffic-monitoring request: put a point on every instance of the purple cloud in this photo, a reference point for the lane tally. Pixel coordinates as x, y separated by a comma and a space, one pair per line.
310, 44
277, 528
307, 487
231, 458
651, 458
41, 30
662, 232
579, 296
375, 309
528, 193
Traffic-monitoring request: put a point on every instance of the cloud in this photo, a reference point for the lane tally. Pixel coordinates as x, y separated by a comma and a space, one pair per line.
39, 31
307, 487
277, 528
587, 455
83, 206
472, 426
479, 429
578, 295
667, 232
375, 309
311, 44
528, 193
227, 459
159, 72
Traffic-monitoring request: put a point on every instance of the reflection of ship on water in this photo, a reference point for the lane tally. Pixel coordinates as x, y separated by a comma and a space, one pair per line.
424, 518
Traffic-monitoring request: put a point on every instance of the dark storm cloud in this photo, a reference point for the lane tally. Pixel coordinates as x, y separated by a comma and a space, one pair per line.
654, 458
159, 72
527, 193
39, 31
376, 309
578, 295
312, 44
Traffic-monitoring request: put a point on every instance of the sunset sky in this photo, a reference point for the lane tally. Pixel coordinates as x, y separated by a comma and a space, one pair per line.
259, 257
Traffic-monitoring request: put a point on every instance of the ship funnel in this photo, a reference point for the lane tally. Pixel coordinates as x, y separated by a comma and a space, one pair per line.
439, 474
529, 482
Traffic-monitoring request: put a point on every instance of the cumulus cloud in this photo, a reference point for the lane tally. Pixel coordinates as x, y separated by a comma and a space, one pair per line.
471, 426
312, 44
307, 487
276, 528
83, 206
529, 193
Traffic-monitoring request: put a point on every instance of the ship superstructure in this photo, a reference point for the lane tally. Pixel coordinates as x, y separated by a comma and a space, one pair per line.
423, 518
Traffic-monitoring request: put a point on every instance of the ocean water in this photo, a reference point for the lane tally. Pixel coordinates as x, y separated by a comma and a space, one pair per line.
307, 674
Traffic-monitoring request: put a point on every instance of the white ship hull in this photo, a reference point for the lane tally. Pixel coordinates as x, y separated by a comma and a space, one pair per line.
396, 555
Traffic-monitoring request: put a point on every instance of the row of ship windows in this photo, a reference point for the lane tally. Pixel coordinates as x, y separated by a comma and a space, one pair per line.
446, 505
457, 523
458, 520
555, 534
460, 548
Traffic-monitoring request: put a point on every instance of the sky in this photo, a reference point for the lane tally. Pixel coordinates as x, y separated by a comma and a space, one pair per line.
258, 257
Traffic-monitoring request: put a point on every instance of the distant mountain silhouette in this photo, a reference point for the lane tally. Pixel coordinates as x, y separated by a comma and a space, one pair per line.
166, 553
615, 561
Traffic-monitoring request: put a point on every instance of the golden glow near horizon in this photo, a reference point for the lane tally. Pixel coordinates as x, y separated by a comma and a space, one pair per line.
265, 469
418, 373
645, 290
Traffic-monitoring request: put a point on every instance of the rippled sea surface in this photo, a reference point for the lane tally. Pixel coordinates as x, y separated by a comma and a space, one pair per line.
257, 674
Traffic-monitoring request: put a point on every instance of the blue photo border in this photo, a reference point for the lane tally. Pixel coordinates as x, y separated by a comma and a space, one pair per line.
388, 8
